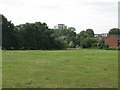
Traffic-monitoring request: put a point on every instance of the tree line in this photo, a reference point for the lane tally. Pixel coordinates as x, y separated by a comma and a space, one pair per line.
38, 36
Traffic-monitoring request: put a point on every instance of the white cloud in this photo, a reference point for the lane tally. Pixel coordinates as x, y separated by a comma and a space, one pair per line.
99, 15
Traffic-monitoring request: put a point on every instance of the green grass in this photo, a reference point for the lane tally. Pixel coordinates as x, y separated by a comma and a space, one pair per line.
60, 69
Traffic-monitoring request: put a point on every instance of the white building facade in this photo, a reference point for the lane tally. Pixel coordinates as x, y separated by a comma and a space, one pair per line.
60, 26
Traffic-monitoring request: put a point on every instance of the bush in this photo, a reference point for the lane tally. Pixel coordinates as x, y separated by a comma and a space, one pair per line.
88, 42
102, 46
71, 44
77, 46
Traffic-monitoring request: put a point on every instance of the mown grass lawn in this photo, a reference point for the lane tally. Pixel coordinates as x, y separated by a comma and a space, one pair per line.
60, 69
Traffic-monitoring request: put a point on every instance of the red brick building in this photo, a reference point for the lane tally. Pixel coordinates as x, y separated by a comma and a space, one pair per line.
113, 41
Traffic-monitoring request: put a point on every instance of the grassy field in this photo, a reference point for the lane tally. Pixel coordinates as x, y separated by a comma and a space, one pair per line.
60, 69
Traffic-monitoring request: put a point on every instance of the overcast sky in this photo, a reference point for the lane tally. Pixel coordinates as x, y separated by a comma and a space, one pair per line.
99, 15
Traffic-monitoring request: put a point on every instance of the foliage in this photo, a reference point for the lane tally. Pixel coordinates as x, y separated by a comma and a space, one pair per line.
28, 36
8, 34
88, 42
87, 33
65, 35
71, 44
102, 46
38, 36
90, 33
35, 36
114, 31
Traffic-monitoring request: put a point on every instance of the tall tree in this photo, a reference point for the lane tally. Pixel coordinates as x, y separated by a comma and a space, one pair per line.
83, 34
86, 38
114, 31
8, 36
65, 35
37, 36
90, 32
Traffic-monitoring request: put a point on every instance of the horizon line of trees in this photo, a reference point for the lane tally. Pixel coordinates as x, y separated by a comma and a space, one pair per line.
38, 36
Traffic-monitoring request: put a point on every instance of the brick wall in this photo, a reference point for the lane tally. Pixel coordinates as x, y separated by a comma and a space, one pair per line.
111, 41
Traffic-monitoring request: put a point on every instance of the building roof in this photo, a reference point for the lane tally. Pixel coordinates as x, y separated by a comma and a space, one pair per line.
116, 36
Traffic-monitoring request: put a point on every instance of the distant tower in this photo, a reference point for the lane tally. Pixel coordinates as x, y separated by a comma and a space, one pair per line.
60, 26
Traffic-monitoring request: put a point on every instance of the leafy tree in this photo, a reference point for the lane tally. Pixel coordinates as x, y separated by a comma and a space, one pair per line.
71, 44
64, 35
102, 46
37, 36
90, 33
72, 28
114, 31
83, 34
88, 42
86, 38
8, 34
77, 40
